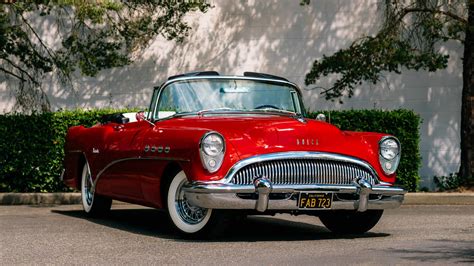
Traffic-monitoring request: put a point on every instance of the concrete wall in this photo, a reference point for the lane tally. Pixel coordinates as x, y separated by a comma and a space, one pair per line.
282, 38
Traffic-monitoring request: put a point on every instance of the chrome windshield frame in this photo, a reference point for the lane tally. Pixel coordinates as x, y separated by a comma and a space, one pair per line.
154, 106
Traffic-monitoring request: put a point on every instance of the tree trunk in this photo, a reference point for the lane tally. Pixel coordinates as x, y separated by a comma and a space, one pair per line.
467, 108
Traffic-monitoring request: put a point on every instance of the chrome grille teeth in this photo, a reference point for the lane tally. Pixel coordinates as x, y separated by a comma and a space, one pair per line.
304, 171
280, 171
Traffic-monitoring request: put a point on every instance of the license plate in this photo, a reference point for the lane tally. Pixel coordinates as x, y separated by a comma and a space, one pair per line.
309, 200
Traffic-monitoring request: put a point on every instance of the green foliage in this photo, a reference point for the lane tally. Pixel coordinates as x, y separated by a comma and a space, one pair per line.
403, 124
365, 60
32, 145
94, 35
32, 148
408, 39
444, 183
410, 36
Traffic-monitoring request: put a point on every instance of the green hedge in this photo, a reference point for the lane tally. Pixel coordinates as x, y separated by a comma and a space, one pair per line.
32, 145
32, 148
403, 124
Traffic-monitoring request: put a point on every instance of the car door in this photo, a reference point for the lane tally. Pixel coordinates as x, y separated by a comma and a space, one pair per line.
120, 177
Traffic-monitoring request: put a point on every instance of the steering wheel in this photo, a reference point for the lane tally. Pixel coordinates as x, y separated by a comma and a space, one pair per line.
267, 106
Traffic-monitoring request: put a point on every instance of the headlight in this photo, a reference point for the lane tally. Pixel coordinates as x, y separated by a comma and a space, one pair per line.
389, 148
389, 154
212, 144
211, 150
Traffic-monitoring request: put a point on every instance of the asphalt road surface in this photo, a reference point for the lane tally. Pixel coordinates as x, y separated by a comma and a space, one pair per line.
136, 235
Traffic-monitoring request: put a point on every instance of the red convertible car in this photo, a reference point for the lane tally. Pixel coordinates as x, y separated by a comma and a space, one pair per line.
214, 147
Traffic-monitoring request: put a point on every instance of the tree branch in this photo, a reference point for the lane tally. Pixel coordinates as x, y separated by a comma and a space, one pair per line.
31, 78
12, 74
327, 90
434, 11
48, 51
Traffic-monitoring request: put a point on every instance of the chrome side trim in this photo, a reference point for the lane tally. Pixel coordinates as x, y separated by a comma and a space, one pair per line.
75, 151
295, 155
132, 159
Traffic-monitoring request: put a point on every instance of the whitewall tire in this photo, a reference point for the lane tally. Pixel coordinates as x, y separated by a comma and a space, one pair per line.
92, 204
185, 217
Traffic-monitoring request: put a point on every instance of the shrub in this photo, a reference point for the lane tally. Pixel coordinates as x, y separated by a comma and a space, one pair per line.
32, 148
403, 124
32, 145
450, 182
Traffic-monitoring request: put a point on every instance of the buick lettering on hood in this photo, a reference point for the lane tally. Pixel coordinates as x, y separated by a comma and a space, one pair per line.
213, 148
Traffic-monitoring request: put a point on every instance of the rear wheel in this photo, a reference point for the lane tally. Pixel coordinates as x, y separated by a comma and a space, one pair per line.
94, 205
350, 222
188, 219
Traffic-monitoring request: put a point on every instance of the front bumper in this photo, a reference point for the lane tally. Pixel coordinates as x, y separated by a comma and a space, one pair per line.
360, 196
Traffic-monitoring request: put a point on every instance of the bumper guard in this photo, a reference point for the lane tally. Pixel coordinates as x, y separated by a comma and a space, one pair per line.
225, 195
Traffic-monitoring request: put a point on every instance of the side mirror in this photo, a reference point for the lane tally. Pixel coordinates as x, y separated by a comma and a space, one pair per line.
321, 117
140, 115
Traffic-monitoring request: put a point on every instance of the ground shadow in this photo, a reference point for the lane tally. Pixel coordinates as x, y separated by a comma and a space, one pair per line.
459, 251
154, 223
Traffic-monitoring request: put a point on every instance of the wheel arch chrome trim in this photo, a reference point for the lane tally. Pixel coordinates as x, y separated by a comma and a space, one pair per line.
83, 153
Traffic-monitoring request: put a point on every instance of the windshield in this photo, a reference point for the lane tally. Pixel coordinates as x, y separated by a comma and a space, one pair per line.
208, 95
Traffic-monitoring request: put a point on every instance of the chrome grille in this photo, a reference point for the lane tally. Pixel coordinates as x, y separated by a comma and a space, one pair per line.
303, 171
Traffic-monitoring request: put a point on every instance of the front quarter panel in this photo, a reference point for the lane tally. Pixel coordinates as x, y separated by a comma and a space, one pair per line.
372, 141
182, 143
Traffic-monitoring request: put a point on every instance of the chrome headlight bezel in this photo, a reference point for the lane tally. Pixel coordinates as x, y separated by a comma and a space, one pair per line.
212, 156
389, 163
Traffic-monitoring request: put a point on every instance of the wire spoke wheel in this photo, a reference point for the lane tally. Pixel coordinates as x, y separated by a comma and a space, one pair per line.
88, 187
186, 217
189, 213
94, 205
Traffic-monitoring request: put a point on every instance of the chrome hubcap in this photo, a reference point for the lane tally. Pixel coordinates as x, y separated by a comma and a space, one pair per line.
188, 213
88, 187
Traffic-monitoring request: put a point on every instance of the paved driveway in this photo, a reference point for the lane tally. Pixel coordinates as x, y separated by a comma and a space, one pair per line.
133, 234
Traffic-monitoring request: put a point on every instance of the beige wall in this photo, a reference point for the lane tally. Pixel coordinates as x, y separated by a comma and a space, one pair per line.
281, 37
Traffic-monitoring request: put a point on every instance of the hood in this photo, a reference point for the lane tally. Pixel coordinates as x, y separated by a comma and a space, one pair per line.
255, 135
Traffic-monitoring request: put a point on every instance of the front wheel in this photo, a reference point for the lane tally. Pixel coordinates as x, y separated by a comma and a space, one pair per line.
186, 218
350, 222
94, 205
